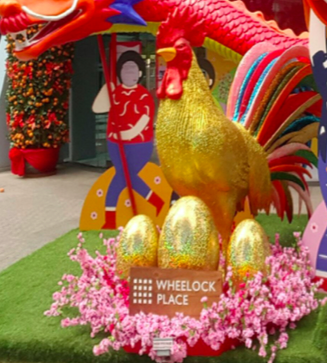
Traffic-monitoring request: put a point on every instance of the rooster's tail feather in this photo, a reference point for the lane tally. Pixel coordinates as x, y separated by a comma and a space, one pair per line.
269, 99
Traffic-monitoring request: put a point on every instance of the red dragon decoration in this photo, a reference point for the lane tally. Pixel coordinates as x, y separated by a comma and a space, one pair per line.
228, 23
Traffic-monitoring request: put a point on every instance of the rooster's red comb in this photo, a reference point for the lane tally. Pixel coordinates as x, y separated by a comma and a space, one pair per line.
184, 23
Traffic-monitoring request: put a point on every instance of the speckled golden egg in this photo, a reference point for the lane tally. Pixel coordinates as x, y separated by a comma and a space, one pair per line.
189, 239
248, 249
138, 245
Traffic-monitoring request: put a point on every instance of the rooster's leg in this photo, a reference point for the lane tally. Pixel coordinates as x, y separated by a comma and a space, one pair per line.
223, 209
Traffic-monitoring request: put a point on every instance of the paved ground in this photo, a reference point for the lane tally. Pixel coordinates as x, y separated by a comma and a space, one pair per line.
36, 211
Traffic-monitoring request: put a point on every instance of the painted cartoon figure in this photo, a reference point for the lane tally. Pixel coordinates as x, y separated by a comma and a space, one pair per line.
207, 70
315, 235
319, 66
132, 115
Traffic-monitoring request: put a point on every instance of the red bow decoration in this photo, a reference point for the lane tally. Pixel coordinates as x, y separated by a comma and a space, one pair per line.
17, 161
43, 160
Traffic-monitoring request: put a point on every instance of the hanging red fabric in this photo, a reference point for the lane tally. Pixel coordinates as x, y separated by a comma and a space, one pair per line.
43, 160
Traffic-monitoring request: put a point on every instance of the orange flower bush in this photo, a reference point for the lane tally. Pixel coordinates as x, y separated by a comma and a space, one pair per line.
37, 97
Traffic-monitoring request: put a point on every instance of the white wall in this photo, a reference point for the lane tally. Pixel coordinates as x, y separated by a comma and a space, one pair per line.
4, 143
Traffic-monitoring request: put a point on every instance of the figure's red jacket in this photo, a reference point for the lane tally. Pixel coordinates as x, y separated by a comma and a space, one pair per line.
133, 113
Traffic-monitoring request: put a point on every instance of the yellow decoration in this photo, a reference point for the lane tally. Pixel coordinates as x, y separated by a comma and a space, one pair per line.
204, 154
138, 245
189, 239
248, 249
93, 212
221, 65
314, 146
222, 50
245, 214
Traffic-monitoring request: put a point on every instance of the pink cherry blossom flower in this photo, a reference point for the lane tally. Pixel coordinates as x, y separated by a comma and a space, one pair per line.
261, 306
99, 193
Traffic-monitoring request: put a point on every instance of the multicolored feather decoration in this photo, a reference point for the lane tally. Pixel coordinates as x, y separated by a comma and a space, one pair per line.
282, 114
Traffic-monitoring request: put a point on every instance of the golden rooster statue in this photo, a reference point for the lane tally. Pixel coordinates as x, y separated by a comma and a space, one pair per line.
202, 152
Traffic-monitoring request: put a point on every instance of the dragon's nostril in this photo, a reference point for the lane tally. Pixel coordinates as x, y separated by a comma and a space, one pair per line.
9, 8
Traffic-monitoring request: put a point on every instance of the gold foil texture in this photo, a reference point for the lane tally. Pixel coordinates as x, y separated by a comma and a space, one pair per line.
247, 251
138, 245
189, 239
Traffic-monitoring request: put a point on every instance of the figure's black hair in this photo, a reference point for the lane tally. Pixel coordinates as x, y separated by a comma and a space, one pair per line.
205, 65
130, 55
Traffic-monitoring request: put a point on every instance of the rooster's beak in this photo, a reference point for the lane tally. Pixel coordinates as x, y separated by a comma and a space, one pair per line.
168, 54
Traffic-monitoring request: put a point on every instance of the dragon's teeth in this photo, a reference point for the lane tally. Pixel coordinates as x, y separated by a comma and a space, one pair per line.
19, 45
22, 33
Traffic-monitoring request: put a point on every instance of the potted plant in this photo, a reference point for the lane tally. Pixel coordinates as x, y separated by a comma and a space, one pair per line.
37, 107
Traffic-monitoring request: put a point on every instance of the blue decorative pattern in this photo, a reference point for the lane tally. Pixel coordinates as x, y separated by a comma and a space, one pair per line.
127, 13
257, 87
244, 85
300, 124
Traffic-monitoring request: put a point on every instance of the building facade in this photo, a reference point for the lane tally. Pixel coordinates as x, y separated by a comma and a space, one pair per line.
4, 143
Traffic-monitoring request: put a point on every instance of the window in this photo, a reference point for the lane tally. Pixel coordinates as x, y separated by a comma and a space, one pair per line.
287, 13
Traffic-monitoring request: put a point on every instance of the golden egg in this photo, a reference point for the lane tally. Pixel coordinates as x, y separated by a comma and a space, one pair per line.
189, 239
138, 245
247, 251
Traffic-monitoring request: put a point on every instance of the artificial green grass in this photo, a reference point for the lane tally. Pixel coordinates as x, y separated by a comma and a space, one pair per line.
26, 289
272, 225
